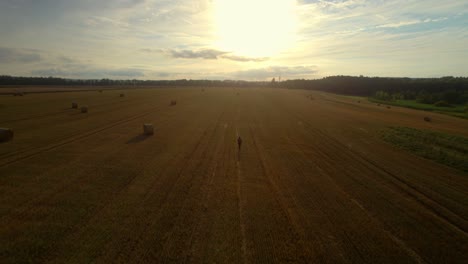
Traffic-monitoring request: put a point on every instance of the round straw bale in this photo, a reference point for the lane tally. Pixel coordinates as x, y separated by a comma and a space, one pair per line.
84, 109
74, 105
6, 134
148, 129
122, 95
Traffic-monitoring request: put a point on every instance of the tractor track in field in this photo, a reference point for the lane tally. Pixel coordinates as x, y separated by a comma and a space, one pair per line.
37, 117
47, 196
427, 202
64, 188
442, 212
280, 199
25, 154
191, 212
130, 249
436, 209
240, 210
300, 211
415, 256
64, 111
241, 214
214, 203
18, 152
149, 192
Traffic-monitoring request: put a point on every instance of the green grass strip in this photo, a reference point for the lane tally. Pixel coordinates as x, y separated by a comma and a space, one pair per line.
446, 149
457, 110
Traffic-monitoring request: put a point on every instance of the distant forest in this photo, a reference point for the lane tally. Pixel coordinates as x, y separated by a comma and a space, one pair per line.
43, 81
453, 90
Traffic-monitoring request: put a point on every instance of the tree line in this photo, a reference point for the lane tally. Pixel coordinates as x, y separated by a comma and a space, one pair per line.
14, 80
453, 90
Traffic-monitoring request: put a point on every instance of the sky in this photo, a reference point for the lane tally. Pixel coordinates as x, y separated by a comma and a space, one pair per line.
233, 39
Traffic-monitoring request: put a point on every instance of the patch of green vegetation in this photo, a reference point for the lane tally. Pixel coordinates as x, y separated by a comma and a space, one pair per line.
454, 110
442, 104
444, 148
353, 97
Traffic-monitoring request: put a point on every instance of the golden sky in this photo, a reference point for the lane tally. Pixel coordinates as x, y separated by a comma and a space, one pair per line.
225, 39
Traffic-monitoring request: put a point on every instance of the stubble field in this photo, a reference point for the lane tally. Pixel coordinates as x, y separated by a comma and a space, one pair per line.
313, 182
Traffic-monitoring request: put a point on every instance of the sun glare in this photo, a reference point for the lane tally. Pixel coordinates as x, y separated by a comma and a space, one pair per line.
255, 28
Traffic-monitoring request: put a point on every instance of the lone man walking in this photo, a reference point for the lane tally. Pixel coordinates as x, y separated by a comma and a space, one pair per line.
239, 142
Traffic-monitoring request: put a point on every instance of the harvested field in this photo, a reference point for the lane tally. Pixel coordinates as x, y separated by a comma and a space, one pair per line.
314, 181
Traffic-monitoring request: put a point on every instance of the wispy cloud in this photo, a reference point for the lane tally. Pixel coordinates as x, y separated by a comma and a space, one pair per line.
243, 58
411, 22
12, 55
210, 54
89, 72
88, 39
207, 54
391, 38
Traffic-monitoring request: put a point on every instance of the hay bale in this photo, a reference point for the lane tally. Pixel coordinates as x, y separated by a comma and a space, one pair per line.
173, 102
74, 105
148, 129
388, 107
122, 95
84, 109
427, 119
6, 134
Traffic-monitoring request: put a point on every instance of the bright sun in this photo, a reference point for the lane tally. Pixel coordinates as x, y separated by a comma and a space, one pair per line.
255, 28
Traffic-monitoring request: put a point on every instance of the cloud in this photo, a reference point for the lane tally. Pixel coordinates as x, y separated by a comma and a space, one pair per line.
340, 3
65, 59
105, 21
56, 72
207, 54
400, 24
210, 54
147, 50
88, 71
411, 22
243, 59
10, 55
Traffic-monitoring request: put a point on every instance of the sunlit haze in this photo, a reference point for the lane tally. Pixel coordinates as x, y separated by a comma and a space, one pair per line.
255, 28
243, 39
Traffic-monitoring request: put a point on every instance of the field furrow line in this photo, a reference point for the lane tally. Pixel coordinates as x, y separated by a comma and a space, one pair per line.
28, 206
279, 197
189, 219
439, 210
132, 245
30, 153
177, 188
